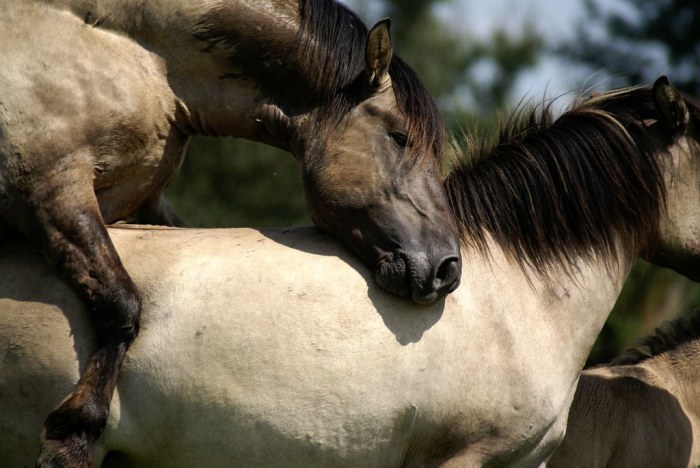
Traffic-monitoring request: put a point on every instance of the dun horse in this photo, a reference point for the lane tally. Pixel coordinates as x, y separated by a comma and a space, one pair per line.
99, 100
325, 370
642, 409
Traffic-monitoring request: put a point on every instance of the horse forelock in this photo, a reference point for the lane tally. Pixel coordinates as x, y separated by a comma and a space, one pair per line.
550, 191
667, 337
426, 129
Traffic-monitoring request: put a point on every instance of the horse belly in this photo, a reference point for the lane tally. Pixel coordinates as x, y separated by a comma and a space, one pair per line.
241, 359
297, 378
320, 380
274, 410
342, 409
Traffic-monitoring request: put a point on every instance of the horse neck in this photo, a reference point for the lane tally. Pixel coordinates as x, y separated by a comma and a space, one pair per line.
214, 100
167, 26
678, 243
569, 307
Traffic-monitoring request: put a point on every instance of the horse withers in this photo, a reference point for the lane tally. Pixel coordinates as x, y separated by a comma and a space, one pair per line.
99, 100
305, 375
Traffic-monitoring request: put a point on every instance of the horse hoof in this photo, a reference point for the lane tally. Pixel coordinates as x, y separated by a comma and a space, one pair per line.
71, 453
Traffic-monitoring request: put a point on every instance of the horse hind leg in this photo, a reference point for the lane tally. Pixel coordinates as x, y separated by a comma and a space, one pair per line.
76, 242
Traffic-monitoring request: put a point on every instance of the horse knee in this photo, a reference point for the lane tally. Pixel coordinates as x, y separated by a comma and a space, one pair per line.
118, 315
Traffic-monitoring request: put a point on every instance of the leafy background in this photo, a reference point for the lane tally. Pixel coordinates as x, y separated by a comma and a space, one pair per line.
227, 182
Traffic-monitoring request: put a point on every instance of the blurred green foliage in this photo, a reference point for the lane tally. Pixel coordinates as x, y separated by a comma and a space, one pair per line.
639, 40
227, 182
234, 183
650, 296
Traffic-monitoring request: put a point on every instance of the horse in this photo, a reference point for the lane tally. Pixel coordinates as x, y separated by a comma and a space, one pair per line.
641, 409
323, 369
100, 99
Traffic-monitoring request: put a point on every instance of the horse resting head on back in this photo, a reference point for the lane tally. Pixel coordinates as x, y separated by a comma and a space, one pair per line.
94, 125
303, 375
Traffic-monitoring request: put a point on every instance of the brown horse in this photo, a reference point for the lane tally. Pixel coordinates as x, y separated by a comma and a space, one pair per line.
99, 100
642, 409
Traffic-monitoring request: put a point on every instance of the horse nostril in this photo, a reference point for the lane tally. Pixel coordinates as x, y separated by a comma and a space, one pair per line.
444, 280
447, 274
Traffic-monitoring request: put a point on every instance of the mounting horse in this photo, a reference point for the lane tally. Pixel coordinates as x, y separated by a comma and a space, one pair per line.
642, 409
99, 100
323, 369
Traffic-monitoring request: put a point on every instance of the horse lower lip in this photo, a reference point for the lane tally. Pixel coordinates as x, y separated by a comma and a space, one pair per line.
426, 299
395, 278
453, 287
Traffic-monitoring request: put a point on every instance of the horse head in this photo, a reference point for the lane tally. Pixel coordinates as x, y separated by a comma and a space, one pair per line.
371, 174
677, 244
366, 132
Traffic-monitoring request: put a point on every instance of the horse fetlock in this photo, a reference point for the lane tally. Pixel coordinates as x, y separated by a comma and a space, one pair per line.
70, 433
74, 452
68, 440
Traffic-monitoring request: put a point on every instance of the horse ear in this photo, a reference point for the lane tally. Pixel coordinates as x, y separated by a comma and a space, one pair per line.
670, 104
378, 53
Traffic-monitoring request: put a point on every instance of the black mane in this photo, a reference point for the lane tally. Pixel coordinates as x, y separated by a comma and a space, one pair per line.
323, 64
667, 337
553, 190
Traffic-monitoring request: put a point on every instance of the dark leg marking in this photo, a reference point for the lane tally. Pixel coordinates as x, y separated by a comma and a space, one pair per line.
76, 242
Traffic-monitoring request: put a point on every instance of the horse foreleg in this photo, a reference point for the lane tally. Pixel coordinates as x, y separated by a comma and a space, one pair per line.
76, 242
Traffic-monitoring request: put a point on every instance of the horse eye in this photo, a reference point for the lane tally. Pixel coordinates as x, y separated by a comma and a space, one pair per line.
400, 138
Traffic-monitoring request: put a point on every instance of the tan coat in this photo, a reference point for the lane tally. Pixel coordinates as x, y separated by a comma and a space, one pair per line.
276, 348
638, 415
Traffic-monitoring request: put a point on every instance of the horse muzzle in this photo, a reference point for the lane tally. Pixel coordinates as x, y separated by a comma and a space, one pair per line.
403, 275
